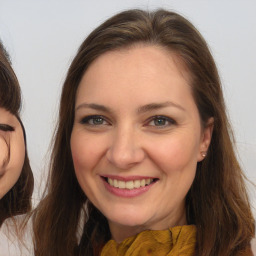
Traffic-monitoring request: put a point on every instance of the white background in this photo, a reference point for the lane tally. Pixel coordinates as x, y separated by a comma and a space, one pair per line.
42, 37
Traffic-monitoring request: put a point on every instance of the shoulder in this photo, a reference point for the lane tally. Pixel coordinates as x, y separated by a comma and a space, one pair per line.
10, 243
253, 244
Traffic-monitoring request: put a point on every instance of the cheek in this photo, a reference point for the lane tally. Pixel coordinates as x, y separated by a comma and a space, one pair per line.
3, 154
17, 154
177, 153
177, 162
81, 159
86, 152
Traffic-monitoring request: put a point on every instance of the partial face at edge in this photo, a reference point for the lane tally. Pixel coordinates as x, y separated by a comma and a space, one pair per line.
136, 122
11, 134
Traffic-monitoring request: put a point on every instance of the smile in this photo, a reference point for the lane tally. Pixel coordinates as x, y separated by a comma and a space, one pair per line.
131, 184
128, 187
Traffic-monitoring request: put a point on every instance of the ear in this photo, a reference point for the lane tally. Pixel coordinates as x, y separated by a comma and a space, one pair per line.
205, 139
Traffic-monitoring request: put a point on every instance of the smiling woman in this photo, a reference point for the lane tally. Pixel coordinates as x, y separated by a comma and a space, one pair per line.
16, 178
133, 152
12, 150
143, 152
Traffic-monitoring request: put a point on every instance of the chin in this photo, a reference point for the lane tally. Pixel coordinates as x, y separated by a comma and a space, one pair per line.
128, 219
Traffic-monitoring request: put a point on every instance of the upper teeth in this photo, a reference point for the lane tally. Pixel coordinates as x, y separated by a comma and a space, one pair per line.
131, 184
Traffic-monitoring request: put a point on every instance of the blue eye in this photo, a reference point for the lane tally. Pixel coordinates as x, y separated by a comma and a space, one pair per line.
94, 120
161, 121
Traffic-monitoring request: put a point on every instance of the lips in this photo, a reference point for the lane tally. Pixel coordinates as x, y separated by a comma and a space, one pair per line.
128, 187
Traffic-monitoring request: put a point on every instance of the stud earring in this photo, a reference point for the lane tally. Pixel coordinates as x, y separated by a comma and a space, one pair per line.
204, 153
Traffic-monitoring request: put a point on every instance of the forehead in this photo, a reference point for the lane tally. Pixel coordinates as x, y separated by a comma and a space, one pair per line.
151, 71
7, 118
144, 54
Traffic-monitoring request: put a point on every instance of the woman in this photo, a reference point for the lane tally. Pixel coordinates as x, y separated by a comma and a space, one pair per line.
16, 178
143, 157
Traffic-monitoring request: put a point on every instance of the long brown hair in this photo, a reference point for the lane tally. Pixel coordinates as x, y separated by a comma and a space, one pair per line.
18, 199
217, 202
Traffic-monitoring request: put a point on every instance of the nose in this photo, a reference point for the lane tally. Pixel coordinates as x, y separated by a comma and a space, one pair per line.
125, 149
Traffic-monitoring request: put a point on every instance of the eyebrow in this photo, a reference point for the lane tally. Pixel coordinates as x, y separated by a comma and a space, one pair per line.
6, 128
94, 106
155, 106
141, 110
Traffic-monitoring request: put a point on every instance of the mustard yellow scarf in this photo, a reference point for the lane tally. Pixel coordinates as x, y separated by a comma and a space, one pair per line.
180, 240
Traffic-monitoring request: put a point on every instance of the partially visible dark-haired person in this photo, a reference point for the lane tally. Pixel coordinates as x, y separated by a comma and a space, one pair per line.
16, 178
143, 161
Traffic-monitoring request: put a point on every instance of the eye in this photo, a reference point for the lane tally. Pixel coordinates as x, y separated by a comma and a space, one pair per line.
95, 120
161, 121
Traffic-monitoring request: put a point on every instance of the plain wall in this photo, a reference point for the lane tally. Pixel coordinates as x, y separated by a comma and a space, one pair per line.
42, 37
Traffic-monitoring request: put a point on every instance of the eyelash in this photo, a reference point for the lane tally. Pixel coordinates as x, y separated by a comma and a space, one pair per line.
86, 121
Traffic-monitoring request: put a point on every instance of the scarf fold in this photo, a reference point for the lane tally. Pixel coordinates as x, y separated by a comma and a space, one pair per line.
180, 240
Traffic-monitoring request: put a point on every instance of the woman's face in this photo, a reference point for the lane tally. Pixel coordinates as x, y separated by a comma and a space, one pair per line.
137, 138
12, 140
